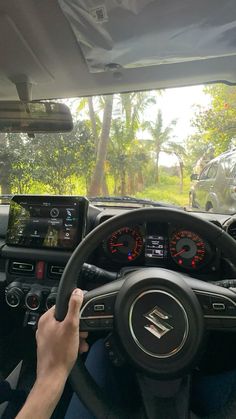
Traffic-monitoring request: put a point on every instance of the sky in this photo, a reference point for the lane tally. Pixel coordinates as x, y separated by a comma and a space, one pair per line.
180, 104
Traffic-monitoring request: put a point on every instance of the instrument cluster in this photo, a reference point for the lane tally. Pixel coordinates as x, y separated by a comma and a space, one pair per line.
156, 244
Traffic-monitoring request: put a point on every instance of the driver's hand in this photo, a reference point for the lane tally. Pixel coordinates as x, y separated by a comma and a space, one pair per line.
58, 343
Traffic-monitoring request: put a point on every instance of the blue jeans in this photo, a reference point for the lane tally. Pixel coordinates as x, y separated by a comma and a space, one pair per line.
209, 395
114, 381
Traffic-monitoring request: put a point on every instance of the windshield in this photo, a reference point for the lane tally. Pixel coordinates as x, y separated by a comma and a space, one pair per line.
173, 146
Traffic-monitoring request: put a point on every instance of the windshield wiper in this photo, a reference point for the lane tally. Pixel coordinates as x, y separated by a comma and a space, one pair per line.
130, 200
5, 199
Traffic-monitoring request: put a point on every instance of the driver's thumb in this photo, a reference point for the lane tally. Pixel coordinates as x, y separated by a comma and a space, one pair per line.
75, 304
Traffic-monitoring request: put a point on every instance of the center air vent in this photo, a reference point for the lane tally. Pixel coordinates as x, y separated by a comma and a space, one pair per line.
21, 268
231, 229
55, 271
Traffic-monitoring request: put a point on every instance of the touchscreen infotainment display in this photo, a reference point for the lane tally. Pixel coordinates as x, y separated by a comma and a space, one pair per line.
38, 221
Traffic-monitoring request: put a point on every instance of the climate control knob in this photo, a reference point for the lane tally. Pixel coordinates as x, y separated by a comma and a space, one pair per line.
14, 296
33, 299
51, 299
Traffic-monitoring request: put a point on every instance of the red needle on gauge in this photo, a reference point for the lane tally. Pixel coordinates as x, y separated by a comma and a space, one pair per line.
180, 252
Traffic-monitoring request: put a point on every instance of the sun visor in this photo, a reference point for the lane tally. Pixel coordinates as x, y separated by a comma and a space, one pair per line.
136, 33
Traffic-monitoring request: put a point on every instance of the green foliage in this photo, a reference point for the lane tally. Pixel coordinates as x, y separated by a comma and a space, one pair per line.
59, 158
197, 147
50, 163
128, 157
166, 192
215, 126
160, 136
65, 163
167, 179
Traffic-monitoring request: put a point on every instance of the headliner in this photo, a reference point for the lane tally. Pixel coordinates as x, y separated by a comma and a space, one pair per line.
38, 45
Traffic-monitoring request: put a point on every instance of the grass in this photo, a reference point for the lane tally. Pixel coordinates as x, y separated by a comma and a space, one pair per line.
167, 193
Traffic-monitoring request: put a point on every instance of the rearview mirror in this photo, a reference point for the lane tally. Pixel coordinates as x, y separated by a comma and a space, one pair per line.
194, 176
35, 117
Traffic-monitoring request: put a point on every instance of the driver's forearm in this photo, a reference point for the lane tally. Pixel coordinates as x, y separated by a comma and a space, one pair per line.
42, 399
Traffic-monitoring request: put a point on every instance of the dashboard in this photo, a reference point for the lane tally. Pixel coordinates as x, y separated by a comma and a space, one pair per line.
38, 235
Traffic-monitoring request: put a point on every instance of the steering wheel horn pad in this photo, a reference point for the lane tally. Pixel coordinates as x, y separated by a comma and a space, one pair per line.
159, 321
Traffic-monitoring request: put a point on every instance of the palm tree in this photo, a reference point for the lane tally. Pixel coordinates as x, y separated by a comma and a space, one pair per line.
126, 153
133, 105
160, 135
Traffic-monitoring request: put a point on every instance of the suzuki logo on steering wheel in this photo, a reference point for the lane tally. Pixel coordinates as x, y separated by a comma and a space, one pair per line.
158, 327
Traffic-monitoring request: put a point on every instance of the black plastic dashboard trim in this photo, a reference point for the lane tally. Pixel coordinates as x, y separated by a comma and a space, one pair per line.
34, 254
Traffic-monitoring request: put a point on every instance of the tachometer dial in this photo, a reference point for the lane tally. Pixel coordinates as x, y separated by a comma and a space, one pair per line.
124, 245
187, 249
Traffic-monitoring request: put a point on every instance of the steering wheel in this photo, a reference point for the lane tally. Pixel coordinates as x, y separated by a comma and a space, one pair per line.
158, 318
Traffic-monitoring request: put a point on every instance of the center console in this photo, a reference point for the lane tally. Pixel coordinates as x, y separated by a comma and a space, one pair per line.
42, 233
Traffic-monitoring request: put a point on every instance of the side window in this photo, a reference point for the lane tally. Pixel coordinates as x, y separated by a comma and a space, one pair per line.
211, 174
228, 164
203, 175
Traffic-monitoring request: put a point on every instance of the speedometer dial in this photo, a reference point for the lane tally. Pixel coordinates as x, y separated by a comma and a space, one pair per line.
124, 245
187, 249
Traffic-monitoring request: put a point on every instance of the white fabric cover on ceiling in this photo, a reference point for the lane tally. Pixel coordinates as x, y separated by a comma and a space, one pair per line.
139, 33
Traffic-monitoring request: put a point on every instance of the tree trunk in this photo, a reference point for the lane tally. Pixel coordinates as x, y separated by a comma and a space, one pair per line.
93, 120
98, 173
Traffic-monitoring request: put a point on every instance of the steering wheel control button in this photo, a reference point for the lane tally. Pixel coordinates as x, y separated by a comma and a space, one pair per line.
158, 332
97, 324
93, 324
106, 323
98, 313
218, 306
98, 307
